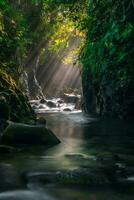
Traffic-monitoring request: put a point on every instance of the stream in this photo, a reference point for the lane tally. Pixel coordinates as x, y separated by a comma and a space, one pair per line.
86, 141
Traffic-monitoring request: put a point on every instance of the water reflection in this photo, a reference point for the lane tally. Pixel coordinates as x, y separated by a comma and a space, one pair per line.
82, 138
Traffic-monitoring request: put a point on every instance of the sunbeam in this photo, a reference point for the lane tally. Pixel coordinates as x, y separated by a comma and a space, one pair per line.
54, 75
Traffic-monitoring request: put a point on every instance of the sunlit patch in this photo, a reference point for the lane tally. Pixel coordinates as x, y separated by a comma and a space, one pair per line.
55, 75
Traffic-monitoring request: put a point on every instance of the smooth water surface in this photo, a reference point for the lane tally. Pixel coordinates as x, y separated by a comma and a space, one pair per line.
83, 138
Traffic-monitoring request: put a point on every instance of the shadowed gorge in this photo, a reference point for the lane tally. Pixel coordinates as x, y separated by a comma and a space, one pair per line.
53, 74
67, 100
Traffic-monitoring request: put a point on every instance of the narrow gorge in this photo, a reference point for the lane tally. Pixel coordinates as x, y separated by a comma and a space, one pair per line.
66, 100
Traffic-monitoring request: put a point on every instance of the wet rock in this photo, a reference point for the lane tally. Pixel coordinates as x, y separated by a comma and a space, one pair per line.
35, 107
60, 101
94, 176
18, 133
41, 107
70, 98
78, 105
4, 108
43, 101
3, 124
9, 178
74, 156
51, 104
16, 105
35, 104
67, 109
83, 176
41, 177
80, 157
41, 120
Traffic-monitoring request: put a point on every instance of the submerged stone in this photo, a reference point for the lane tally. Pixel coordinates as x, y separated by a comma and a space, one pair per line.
10, 179
92, 177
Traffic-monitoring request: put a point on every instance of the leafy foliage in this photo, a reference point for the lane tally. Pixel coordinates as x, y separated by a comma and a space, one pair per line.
106, 51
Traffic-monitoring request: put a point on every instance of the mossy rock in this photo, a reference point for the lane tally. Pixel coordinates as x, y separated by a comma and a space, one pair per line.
4, 109
16, 106
18, 133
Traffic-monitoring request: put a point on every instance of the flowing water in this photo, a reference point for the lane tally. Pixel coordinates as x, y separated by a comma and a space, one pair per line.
84, 139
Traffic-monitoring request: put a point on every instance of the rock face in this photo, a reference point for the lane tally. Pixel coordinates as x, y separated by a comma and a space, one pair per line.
106, 97
18, 133
13, 103
35, 89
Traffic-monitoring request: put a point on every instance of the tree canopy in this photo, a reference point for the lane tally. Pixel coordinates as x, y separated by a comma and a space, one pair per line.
106, 29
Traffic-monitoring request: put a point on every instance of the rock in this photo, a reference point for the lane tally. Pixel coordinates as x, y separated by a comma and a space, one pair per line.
41, 107
51, 104
7, 149
60, 101
78, 105
41, 120
14, 103
67, 110
36, 104
3, 125
9, 178
93, 177
70, 98
43, 101
35, 107
18, 133
4, 108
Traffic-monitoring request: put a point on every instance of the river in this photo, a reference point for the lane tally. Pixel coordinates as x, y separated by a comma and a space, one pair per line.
85, 142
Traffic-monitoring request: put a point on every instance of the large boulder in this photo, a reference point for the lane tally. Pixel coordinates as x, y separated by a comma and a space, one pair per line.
18, 133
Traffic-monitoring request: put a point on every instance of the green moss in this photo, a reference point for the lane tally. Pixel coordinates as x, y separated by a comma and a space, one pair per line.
13, 103
18, 133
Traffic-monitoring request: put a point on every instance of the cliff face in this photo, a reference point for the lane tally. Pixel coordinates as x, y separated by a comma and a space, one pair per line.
13, 103
108, 59
107, 97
